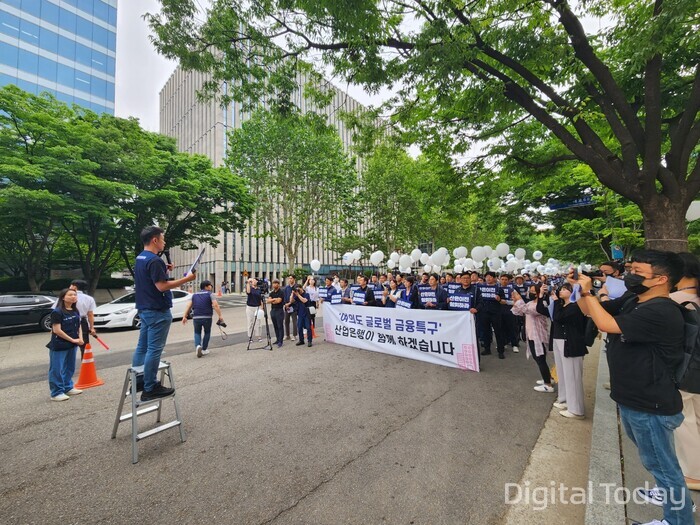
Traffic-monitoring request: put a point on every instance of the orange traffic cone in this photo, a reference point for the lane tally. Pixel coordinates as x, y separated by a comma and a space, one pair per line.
88, 374
219, 293
313, 331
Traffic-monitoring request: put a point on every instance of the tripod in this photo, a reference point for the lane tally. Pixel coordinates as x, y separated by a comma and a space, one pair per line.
268, 346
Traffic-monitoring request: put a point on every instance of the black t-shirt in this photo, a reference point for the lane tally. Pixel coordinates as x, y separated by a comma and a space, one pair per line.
254, 298
643, 358
279, 294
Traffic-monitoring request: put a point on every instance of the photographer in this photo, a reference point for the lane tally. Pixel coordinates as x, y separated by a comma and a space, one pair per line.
202, 305
299, 303
253, 304
276, 302
289, 313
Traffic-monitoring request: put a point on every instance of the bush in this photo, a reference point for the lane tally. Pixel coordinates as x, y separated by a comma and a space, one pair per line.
20, 284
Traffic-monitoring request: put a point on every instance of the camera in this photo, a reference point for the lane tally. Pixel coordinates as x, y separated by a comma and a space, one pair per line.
263, 287
221, 323
596, 273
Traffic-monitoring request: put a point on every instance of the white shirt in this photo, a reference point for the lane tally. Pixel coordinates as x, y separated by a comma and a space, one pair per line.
85, 304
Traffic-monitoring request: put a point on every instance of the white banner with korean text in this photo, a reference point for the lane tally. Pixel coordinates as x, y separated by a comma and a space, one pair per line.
440, 337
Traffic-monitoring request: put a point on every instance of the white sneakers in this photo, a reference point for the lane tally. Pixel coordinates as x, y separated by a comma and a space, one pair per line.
560, 406
74, 392
570, 415
544, 388
653, 522
60, 397
205, 352
516, 348
199, 350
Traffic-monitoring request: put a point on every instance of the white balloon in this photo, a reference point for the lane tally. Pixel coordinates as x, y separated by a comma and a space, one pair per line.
405, 261
446, 261
520, 253
469, 262
478, 254
376, 258
488, 250
424, 258
510, 256
430, 261
407, 270
347, 258
415, 255
551, 261
512, 265
394, 257
693, 212
502, 249
537, 255
315, 265
357, 255
437, 268
390, 264
455, 252
461, 252
540, 268
458, 268
427, 268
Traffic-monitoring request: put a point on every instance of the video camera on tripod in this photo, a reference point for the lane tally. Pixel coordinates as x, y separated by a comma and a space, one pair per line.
263, 287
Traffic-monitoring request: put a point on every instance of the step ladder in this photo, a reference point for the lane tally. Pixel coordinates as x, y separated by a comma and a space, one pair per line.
139, 408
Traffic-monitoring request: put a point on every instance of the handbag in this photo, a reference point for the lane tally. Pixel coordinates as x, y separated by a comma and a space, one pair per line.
312, 310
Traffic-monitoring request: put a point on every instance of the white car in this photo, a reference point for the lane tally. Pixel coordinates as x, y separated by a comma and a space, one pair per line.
122, 313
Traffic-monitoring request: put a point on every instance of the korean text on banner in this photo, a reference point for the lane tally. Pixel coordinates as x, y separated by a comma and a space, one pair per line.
441, 337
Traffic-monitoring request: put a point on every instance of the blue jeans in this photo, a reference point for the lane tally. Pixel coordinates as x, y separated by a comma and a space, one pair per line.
155, 325
199, 325
304, 322
61, 370
653, 436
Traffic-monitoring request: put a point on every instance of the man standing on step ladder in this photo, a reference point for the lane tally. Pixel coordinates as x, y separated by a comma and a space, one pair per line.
153, 302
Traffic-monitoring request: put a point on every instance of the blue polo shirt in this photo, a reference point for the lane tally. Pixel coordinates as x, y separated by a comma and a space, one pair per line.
148, 270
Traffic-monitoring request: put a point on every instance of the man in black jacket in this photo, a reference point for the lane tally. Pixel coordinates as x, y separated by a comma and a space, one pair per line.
645, 346
364, 295
489, 297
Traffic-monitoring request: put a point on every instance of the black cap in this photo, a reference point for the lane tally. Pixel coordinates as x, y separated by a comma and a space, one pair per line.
204, 284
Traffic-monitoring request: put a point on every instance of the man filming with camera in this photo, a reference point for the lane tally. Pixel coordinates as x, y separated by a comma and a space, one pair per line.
253, 304
299, 302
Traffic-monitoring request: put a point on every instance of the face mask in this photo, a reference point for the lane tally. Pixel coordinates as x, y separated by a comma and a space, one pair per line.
634, 283
532, 296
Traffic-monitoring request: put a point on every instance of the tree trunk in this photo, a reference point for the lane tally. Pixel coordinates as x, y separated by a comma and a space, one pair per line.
664, 225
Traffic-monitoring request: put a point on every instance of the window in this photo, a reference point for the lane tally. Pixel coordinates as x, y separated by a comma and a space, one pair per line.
86, 5
29, 87
111, 66
111, 40
128, 298
29, 32
100, 35
112, 16
8, 54
47, 69
65, 76
177, 294
49, 12
67, 20
33, 7
28, 62
9, 24
99, 61
83, 55
66, 47
98, 87
101, 10
84, 28
17, 300
110, 91
48, 40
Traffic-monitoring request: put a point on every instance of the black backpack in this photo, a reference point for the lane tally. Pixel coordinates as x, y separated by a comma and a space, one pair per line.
687, 374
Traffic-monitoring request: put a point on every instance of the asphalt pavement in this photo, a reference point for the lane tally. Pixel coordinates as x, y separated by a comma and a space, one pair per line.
321, 435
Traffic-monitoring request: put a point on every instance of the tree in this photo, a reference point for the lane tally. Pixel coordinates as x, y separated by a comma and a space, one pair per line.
623, 99
96, 181
296, 167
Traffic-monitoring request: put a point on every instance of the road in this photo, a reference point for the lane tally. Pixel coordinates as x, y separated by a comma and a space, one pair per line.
321, 435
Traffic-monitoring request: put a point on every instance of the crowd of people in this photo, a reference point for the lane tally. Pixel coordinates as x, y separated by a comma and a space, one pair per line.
636, 306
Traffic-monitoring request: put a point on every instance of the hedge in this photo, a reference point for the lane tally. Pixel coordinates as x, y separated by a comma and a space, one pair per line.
20, 284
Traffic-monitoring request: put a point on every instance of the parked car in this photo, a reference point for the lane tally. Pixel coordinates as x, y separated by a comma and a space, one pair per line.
25, 310
122, 313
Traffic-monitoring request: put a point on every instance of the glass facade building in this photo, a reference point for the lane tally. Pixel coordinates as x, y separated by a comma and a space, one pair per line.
65, 47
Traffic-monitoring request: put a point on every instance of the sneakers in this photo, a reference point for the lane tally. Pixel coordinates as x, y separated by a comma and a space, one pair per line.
74, 392
516, 348
279, 344
544, 388
205, 352
299, 343
653, 522
539, 382
560, 406
655, 496
568, 414
60, 397
158, 392
199, 350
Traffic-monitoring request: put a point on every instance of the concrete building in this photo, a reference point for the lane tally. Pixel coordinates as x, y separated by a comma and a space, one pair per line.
202, 128
65, 47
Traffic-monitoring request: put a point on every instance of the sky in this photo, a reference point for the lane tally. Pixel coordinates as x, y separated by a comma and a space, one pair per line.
141, 72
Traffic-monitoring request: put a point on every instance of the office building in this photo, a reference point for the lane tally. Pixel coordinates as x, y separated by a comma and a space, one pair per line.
65, 47
202, 128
